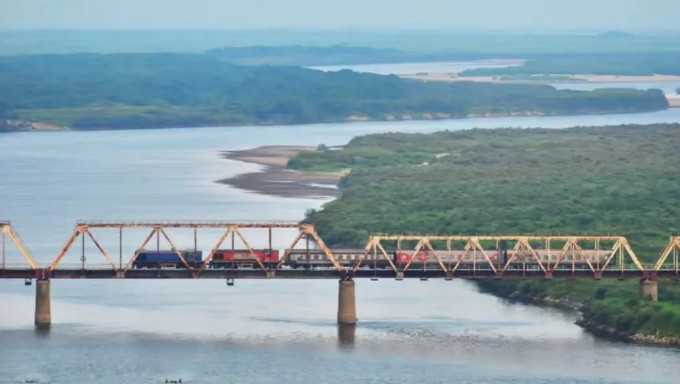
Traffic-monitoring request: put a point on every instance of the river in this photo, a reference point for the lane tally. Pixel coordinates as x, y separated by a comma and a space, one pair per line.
668, 87
260, 331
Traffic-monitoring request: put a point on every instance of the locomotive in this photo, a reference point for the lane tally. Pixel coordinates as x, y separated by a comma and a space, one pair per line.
167, 258
223, 258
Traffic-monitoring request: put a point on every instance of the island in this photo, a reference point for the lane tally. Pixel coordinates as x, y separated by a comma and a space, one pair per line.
156, 90
585, 180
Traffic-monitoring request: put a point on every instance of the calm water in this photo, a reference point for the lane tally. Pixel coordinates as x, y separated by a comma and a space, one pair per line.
259, 331
459, 66
409, 68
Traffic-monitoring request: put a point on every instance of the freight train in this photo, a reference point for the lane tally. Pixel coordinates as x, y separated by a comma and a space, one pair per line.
316, 258
426, 258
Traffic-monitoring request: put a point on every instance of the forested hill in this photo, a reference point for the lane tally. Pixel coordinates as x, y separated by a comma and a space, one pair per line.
93, 91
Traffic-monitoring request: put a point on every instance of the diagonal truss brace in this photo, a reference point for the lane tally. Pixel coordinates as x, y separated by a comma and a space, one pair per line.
81, 230
473, 245
673, 248
374, 244
309, 231
621, 247
6, 229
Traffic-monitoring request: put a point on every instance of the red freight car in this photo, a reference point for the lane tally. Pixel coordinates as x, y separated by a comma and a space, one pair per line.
403, 257
226, 258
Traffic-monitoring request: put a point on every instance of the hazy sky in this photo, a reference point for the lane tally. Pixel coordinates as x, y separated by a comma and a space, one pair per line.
592, 15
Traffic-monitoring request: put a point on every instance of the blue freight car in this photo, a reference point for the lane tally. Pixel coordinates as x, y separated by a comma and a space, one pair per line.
168, 258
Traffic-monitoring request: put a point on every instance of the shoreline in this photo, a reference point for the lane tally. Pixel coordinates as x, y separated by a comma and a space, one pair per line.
558, 78
674, 102
590, 326
276, 180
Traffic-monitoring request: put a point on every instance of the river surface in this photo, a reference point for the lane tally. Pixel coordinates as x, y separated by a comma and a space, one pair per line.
259, 331
668, 87
411, 68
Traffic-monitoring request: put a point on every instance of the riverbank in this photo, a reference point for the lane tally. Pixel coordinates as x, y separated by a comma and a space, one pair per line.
673, 100
21, 125
276, 180
590, 320
557, 78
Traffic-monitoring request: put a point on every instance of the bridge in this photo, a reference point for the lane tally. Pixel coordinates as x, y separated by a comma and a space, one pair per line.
409, 256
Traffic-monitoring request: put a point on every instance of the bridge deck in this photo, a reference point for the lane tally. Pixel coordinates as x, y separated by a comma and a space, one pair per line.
330, 274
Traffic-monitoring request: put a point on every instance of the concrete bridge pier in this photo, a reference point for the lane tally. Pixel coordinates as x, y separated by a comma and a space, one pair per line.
649, 290
43, 313
346, 335
347, 307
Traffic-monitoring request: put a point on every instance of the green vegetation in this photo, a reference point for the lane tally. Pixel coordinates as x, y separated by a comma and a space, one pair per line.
623, 65
299, 55
606, 304
602, 180
91, 91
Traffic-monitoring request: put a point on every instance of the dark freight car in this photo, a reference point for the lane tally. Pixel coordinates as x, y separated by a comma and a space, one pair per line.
168, 258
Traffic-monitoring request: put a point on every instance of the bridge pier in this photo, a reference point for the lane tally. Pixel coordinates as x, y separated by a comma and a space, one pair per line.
346, 335
649, 290
43, 313
347, 307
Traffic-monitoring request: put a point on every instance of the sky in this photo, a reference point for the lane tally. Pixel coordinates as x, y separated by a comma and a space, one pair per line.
525, 15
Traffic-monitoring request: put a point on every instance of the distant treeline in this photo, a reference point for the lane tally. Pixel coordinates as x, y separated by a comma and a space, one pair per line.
623, 65
299, 55
92, 91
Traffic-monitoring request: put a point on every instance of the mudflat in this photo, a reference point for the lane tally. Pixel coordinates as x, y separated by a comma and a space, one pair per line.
276, 180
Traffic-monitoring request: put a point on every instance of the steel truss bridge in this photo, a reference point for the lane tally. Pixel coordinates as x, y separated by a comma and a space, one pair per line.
616, 258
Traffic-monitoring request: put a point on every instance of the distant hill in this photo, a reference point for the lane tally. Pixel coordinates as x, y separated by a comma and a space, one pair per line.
299, 55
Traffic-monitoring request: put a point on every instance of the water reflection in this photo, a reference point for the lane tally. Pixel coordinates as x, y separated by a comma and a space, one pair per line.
42, 331
346, 335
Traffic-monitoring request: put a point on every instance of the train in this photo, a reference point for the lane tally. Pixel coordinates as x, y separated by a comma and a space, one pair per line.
426, 258
316, 258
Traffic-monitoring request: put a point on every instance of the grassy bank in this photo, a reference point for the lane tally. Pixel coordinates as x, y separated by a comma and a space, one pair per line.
602, 180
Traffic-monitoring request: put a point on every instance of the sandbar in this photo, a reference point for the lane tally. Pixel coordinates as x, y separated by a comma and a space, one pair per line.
276, 180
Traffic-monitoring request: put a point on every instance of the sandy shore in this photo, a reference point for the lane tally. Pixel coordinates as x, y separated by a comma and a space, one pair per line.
452, 76
448, 76
21, 125
276, 180
625, 79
